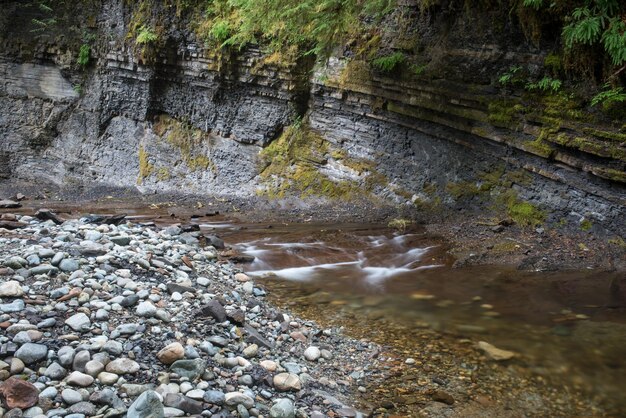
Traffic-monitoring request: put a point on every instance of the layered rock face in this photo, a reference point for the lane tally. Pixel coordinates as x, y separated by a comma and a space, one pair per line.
206, 122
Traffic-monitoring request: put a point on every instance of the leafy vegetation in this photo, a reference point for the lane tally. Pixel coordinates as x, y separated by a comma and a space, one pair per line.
388, 63
84, 55
591, 22
146, 36
609, 96
546, 84
315, 26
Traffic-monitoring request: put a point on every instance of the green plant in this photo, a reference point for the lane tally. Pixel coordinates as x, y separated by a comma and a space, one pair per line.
586, 225
546, 84
84, 55
389, 63
314, 26
146, 36
418, 70
609, 96
78, 89
220, 31
509, 76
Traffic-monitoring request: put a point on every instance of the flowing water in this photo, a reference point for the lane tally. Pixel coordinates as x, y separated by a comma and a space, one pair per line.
568, 329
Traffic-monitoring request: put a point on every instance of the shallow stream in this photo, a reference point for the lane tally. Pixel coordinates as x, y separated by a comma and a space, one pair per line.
567, 328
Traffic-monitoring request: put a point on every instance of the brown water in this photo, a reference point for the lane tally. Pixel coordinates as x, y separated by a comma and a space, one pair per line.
568, 328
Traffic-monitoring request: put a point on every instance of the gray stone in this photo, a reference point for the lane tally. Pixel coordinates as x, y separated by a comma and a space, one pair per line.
66, 356
78, 322
283, 408
191, 369
123, 366
80, 360
84, 408
11, 289
44, 269
71, 396
215, 397
147, 405
79, 379
69, 265
122, 240
238, 398
49, 393
17, 305
59, 292
146, 309
31, 353
55, 371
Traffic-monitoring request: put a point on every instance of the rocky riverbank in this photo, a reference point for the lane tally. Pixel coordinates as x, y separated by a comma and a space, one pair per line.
106, 320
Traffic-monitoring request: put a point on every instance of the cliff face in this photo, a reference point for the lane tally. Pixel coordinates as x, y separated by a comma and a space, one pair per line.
207, 122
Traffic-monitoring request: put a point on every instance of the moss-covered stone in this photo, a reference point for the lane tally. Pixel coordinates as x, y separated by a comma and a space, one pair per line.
145, 167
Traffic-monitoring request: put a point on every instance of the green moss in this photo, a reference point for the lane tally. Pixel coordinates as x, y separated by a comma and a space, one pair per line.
612, 136
355, 72
521, 212
186, 138
618, 241
145, 168
163, 174
553, 63
586, 225
504, 113
462, 189
291, 165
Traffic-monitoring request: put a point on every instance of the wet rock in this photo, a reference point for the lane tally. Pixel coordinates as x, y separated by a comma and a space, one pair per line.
147, 405
443, 397
18, 393
170, 353
495, 353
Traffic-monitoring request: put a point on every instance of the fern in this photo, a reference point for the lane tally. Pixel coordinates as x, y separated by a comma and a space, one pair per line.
609, 96
545, 84
614, 41
83, 55
389, 63
146, 36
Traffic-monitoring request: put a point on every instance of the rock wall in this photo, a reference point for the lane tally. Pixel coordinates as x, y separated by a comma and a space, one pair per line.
197, 121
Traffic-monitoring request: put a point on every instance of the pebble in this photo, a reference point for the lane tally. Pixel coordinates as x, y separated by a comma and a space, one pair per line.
170, 353
79, 379
312, 353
